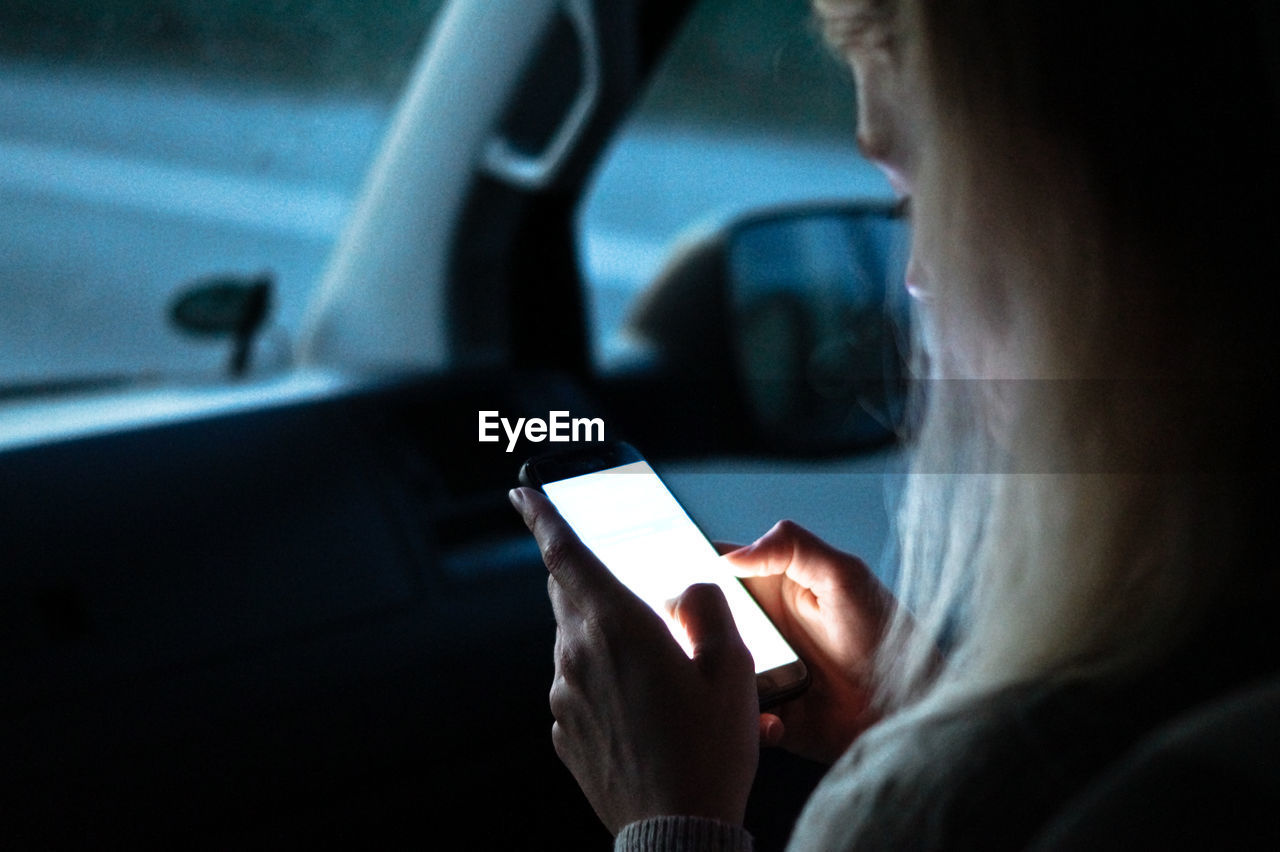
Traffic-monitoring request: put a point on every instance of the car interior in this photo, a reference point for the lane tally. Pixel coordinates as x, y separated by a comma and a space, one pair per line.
292, 606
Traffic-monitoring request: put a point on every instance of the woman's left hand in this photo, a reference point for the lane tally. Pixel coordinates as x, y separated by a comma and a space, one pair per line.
644, 729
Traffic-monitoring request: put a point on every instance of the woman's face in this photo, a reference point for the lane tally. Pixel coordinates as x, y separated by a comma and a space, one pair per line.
966, 249
889, 105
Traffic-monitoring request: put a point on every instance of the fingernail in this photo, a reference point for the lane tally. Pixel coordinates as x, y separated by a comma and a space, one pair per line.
774, 730
516, 496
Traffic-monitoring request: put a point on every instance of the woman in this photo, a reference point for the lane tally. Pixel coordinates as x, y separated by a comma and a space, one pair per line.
1092, 189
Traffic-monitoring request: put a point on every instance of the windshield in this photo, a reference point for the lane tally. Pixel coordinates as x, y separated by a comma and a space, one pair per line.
152, 147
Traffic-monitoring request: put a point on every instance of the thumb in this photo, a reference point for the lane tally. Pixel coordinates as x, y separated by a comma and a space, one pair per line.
771, 730
713, 636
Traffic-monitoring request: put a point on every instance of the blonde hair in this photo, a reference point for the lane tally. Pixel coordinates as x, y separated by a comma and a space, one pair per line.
1080, 500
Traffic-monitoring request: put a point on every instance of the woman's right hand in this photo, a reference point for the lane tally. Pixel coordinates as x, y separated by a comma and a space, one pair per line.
834, 611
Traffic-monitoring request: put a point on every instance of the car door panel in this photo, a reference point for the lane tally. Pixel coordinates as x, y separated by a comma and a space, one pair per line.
221, 622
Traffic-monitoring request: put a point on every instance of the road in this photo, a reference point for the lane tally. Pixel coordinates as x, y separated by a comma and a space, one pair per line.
119, 191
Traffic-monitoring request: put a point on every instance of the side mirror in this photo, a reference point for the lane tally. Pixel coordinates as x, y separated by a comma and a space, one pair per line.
820, 317
230, 306
798, 318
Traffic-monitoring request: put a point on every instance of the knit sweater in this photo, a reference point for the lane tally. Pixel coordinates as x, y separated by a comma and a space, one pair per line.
990, 773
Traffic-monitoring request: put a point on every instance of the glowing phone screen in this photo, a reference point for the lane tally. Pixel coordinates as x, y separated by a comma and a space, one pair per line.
634, 525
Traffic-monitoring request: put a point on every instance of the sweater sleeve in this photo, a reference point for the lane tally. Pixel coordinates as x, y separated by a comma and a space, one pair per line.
682, 834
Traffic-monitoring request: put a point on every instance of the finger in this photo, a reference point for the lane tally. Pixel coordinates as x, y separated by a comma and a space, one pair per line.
763, 587
791, 549
741, 567
572, 565
570, 660
562, 607
751, 560
713, 636
771, 730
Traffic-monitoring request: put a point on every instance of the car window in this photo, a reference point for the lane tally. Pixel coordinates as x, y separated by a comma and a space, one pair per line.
749, 110
149, 145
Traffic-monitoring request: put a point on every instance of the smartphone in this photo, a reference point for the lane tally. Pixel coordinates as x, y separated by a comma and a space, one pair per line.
628, 517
